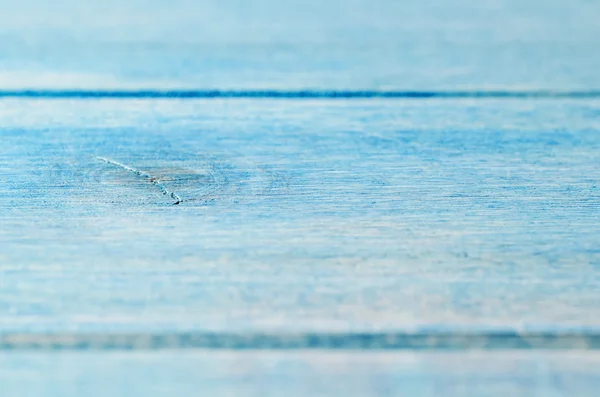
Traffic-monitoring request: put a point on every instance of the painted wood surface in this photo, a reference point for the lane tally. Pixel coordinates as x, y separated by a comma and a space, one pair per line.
323, 225
342, 44
297, 373
299, 215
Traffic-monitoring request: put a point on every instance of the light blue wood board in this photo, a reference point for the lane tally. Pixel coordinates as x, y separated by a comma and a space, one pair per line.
315, 373
299, 215
465, 217
360, 44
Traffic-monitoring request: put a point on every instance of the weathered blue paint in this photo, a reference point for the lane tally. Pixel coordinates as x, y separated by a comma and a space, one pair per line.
357, 215
249, 214
313, 216
322, 373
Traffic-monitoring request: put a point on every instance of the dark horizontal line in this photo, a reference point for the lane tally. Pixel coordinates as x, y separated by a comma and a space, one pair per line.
329, 341
300, 94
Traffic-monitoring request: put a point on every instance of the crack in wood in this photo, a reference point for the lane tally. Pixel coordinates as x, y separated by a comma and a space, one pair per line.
152, 179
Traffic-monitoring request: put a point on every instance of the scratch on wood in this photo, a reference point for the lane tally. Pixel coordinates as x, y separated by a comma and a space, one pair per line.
153, 180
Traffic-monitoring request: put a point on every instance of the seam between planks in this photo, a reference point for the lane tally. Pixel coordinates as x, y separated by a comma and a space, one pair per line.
299, 94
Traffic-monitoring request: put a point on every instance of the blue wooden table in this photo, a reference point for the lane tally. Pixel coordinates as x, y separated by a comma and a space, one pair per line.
297, 198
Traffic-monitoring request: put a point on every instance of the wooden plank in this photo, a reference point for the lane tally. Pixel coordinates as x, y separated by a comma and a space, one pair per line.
358, 44
514, 373
299, 216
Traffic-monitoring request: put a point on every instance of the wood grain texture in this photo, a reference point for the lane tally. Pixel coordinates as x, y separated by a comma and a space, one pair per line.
298, 216
344, 223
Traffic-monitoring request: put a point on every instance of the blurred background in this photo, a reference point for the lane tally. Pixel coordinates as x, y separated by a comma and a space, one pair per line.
293, 44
